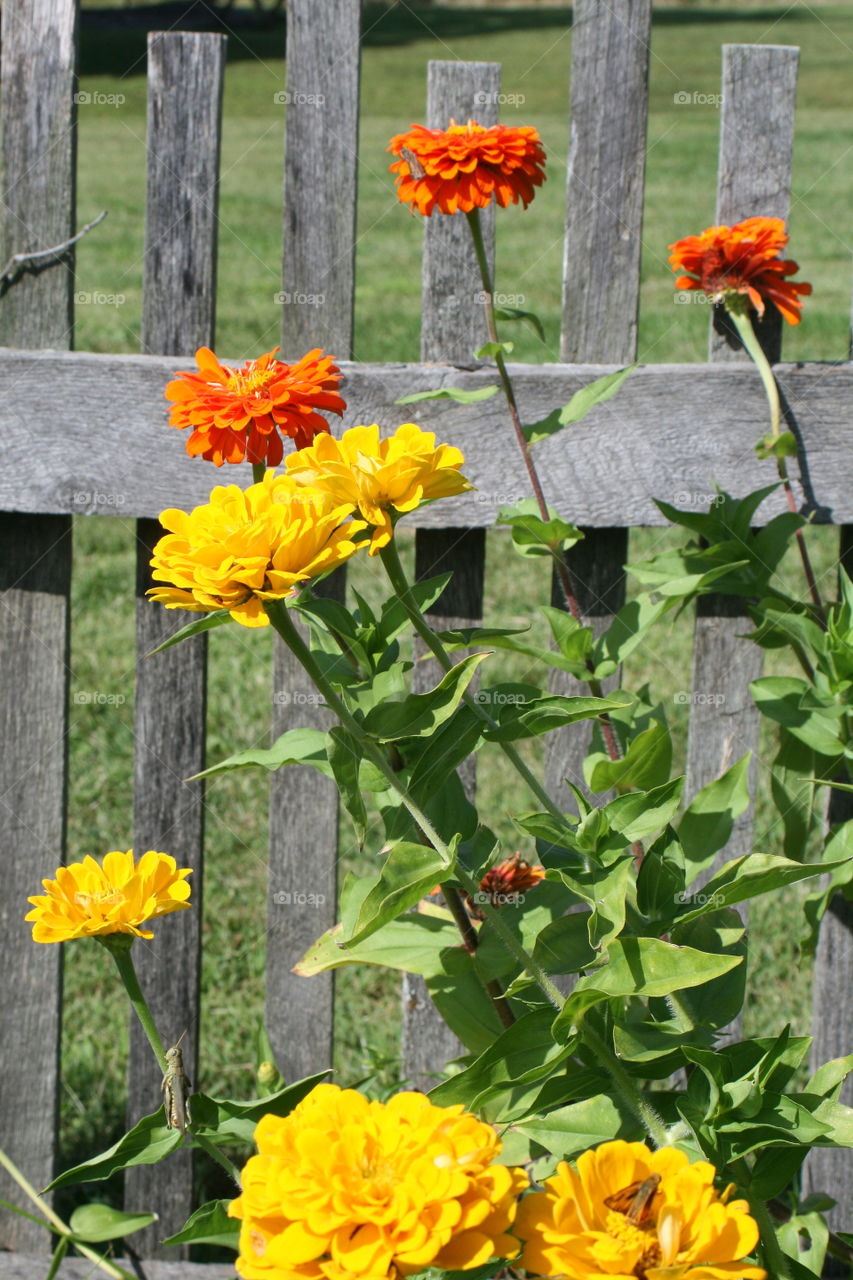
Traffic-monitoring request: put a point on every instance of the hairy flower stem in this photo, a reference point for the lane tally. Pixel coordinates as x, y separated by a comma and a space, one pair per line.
120, 953
56, 1222
397, 577
470, 942
773, 1256
563, 572
280, 618
624, 1086
743, 323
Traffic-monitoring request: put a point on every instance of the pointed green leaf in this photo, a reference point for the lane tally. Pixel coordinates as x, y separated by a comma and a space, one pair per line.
96, 1223
640, 813
209, 1224
533, 536
709, 819
579, 1126
512, 314
645, 764
413, 944
344, 758
205, 623
450, 393
420, 714
297, 746
410, 870
229, 1118
594, 393
541, 715
749, 877
492, 349
148, 1142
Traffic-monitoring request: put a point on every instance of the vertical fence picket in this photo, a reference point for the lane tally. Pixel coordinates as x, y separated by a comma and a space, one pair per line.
601, 281
185, 74
754, 177
323, 61
829, 1171
452, 328
36, 310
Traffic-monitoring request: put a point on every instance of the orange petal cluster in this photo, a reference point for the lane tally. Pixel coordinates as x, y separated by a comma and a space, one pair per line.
348, 1189
505, 882
465, 166
724, 262
244, 413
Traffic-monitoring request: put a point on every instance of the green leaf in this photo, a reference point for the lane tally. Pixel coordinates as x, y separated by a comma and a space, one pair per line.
448, 747
636, 1040
456, 990
420, 714
807, 716
640, 967
209, 1224
627, 630
563, 946
661, 878
593, 393
640, 813
605, 890
524, 1053
345, 757
148, 1142
451, 393
512, 314
297, 746
235, 1120
205, 623
541, 715
709, 819
749, 877
492, 349
95, 1223
579, 1126
717, 1003
645, 764
533, 536
783, 445
412, 944
409, 871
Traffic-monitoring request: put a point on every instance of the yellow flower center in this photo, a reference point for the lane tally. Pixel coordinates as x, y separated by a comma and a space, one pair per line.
252, 381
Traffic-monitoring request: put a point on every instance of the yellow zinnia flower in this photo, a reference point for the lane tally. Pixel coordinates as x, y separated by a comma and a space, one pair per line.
627, 1211
344, 1188
88, 900
246, 546
378, 476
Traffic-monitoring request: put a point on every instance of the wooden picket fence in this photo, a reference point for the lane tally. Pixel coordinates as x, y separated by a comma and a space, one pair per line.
59, 439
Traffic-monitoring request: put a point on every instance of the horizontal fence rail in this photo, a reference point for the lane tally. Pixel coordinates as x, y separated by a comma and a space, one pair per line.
674, 432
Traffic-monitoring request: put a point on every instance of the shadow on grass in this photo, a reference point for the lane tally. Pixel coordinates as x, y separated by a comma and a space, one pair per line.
113, 41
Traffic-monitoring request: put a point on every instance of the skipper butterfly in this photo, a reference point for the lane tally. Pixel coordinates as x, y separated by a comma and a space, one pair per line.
636, 1200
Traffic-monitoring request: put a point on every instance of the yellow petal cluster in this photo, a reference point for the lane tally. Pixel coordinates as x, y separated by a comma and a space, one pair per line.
88, 899
684, 1231
377, 476
247, 546
344, 1187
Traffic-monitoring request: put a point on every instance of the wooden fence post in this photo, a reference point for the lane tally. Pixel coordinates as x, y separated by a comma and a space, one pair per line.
185, 74
36, 310
323, 61
725, 726
601, 288
452, 327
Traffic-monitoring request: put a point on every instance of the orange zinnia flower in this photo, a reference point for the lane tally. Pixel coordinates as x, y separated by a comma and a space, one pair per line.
239, 413
725, 262
506, 883
462, 167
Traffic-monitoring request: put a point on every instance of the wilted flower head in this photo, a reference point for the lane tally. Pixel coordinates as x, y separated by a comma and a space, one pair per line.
88, 899
741, 265
506, 882
627, 1211
380, 476
465, 166
246, 546
347, 1189
243, 413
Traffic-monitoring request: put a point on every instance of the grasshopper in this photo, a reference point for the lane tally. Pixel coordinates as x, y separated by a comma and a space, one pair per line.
176, 1088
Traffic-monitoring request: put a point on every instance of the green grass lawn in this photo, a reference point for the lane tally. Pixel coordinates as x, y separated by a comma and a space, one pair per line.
535, 53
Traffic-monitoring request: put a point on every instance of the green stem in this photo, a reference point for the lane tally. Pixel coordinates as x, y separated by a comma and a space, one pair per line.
774, 1257
121, 953
563, 573
56, 1222
624, 1085
397, 577
280, 618
742, 321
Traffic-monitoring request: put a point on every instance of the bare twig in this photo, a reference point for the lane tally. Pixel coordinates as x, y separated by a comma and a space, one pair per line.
18, 261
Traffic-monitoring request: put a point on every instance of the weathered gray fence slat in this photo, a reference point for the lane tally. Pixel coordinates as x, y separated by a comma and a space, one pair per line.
452, 327
320, 169
323, 61
601, 289
759, 97
832, 1009
38, 201
185, 75
610, 466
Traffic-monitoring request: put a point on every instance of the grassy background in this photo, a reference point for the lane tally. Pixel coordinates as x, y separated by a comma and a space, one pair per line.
534, 48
